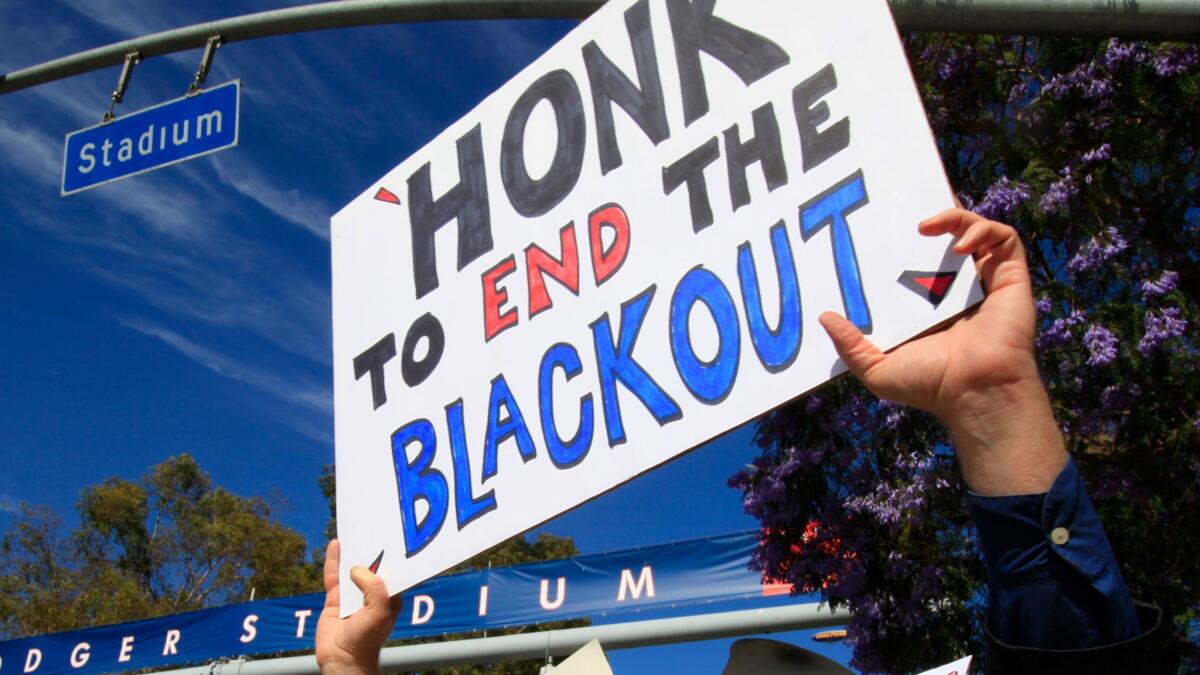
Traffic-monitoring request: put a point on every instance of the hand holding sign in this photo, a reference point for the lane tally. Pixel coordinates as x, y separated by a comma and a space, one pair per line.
352, 645
979, 376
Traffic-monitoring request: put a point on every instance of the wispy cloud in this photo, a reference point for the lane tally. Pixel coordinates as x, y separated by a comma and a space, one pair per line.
309, 213
32, 150
309, 396
9, 505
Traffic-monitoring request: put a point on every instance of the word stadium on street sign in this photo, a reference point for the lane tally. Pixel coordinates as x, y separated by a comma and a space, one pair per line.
151, 138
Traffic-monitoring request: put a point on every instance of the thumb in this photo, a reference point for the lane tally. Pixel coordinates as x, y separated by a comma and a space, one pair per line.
860, 354
374, 590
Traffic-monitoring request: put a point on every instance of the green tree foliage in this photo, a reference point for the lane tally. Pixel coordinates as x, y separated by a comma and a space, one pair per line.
1092, 150
170, 542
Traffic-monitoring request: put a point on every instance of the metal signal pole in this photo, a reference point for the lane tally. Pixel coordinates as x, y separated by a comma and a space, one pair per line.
1133, 19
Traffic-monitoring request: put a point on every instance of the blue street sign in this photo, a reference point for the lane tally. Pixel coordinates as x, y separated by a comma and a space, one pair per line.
152, 138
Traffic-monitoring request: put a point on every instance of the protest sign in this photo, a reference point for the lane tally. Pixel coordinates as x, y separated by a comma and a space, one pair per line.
959, 667
618, 256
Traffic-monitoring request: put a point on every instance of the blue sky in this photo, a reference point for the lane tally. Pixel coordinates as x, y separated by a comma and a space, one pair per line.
188, 310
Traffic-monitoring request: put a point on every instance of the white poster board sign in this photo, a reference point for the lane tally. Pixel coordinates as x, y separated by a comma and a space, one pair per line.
959, 667
618, 256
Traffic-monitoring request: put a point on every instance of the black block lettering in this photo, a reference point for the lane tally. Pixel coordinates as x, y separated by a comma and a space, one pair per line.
690, 169
371, 361
467, 201
609, 85
749, 55
764, 148
812, 112
533, 197
413, 371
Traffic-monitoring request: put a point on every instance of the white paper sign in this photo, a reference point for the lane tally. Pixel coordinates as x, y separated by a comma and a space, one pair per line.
959, 667
582, 278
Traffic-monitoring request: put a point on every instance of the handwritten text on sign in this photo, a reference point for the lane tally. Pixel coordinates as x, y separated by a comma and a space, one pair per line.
620, 255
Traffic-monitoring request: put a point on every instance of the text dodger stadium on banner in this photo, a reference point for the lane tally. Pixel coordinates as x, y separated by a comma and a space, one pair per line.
618, 256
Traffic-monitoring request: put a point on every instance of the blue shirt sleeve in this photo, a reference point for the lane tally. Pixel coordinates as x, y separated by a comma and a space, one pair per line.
1053, 581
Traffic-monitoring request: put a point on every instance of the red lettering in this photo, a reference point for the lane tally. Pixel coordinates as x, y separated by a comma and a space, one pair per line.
564, 270
606, 263
494, 298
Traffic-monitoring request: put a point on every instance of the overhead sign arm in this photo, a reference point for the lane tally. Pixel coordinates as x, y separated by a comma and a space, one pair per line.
1147, 19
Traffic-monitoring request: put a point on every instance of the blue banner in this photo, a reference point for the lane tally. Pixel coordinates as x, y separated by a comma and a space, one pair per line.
700, 571
171, 132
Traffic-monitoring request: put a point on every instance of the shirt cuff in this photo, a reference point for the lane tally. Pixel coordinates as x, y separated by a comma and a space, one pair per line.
1051, 549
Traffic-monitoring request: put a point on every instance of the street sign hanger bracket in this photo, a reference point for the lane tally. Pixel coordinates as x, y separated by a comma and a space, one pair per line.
210, 52
131, 59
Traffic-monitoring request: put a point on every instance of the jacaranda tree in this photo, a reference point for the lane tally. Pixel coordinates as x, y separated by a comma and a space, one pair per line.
1092, 150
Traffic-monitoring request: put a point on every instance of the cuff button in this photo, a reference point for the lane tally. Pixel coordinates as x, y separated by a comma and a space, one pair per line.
1060, 535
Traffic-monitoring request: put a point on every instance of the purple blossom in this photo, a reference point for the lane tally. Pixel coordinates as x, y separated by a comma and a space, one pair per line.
1118, 397
1060, 193
1174, 61
952, 63
1119, 53
1160, 286
894, 414
1044, 304
896, 564
1101, 344
1059, 332
1160, 327
1099, 154
1100, 249
1059, 86
1001, 198
1097, 87
854, 413
1019, 93
1088, 79
813, 404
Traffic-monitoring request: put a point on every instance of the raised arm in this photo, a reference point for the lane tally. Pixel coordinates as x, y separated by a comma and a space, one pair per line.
1057, 600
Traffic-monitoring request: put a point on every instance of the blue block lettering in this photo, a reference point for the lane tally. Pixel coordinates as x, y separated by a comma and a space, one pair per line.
568, 453
466, 506
776, 348
416, 480
614, 362
709, 381
503, 427
831, 208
